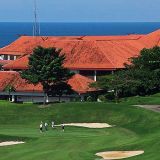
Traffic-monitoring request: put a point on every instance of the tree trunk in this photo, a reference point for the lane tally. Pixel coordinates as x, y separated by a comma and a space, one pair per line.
116, 96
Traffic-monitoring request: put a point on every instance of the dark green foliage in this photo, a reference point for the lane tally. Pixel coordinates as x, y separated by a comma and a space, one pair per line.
90, 99
102, 98
108, 97
9, 88
116, 84
46, 67
141, 77
146, 69
148, 59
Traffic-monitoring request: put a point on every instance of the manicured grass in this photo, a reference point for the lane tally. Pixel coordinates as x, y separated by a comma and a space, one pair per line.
153, 99
136, 129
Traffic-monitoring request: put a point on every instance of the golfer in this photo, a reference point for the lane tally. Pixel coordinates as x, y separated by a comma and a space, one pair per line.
46, 126
41, 127
62, 125
52, 124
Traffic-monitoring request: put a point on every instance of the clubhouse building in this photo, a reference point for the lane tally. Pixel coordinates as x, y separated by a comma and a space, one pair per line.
87, 56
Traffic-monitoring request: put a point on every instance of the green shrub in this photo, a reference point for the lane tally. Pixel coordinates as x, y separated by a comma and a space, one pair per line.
89, 99
102, 98
110, 96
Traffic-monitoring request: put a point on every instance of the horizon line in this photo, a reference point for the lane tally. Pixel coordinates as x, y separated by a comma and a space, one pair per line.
81, 22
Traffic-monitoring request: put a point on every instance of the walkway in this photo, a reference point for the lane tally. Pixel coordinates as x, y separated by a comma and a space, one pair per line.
155, 108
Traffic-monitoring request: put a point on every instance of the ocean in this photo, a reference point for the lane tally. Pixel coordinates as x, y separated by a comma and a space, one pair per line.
10, 31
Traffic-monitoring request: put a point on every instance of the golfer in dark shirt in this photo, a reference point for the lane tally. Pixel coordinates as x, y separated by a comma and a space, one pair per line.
62, 127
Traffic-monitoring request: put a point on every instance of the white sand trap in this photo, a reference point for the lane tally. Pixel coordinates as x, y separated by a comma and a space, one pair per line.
9, 143
118, 154
89, 125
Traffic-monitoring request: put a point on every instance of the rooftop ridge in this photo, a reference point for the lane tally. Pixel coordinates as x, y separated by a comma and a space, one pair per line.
105, 55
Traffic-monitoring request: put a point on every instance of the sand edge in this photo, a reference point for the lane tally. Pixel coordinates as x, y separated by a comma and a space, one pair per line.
111, 155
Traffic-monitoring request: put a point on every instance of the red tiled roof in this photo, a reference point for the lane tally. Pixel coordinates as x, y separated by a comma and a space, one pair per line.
79, 84
6, 78
25, 44
13, 78
3, 62
86, 52
22, 85
22, 45
20, 63
151, 39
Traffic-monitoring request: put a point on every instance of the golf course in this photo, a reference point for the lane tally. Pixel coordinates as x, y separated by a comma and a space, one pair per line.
133, 129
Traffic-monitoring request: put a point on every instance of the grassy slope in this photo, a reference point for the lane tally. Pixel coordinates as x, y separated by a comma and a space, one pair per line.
135, 129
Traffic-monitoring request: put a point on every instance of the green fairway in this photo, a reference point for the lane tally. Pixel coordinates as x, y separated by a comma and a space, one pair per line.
135, 129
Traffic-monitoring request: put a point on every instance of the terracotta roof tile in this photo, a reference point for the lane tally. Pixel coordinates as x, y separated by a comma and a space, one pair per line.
3, 62
86, 52
20, 63
78, 83
6, 79
25, 44
151, 39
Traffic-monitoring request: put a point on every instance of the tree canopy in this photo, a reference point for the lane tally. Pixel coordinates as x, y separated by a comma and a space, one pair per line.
140, 77
46, 67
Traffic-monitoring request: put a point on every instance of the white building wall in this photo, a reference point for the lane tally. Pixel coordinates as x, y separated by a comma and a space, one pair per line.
15, 57
1, 57
95, 75
9, 57
41, 99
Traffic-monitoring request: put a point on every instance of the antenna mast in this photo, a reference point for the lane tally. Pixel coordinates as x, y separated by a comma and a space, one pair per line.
36, 25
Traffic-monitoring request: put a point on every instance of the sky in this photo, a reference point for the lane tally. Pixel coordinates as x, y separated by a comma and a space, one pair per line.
81, 10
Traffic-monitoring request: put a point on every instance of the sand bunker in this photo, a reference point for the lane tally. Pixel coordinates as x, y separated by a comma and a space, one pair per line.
9, 143
89, 125
118, 154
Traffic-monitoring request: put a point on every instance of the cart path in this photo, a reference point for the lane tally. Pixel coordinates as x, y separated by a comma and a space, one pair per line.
155, 108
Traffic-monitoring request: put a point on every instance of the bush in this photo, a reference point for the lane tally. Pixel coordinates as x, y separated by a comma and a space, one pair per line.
106, 97
102, 98
89, 99
110, 96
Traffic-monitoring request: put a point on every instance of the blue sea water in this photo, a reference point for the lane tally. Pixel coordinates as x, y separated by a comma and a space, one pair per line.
10, 31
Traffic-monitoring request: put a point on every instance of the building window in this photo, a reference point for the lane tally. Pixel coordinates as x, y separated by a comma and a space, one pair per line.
5, 57
11, 57
87, 73
102, 73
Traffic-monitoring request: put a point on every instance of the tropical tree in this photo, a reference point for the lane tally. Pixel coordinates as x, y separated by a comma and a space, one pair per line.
46, 66
117, 84
148, 59
9, 88
140, 77
146, 68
